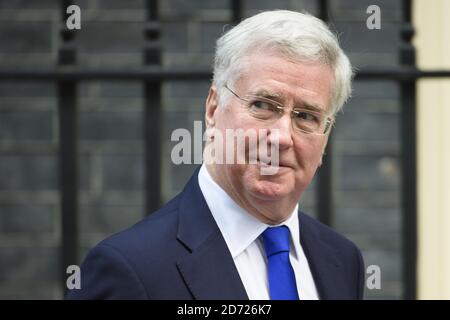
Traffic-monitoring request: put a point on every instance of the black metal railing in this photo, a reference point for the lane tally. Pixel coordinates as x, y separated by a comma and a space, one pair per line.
67, 75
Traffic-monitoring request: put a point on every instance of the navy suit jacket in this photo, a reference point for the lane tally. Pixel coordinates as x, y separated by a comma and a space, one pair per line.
178, 252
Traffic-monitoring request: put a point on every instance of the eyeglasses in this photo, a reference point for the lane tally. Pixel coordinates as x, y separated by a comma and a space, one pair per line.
304, 120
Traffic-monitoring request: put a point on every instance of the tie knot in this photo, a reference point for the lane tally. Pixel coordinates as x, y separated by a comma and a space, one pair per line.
276, 240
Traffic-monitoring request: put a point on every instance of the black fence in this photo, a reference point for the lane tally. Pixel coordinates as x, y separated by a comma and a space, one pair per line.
67, 75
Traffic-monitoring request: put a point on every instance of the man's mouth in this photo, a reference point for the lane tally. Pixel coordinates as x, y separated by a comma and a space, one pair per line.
269, 164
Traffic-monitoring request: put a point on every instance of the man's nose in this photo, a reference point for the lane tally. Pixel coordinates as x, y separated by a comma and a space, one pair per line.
284, 132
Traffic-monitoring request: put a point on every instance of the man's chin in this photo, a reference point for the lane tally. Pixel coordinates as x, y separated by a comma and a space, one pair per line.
267, 190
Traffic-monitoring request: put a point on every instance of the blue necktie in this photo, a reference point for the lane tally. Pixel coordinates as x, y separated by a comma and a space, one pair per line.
282, 285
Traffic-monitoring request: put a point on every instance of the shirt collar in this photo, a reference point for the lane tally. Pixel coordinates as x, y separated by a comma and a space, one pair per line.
239, 228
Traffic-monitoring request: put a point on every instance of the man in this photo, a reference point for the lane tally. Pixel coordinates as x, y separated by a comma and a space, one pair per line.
235, 232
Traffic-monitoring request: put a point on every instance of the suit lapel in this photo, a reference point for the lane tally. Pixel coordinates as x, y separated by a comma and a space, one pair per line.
210, 273
208, 270
323, 261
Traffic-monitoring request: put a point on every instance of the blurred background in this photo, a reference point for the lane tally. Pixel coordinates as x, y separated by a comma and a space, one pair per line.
86, 118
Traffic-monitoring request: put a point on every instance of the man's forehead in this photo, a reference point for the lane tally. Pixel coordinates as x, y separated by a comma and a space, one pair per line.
280, 78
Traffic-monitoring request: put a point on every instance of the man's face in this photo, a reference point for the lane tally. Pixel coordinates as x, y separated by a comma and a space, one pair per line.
300, 154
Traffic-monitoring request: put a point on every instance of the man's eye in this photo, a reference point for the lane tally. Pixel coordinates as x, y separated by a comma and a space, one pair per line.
262, 105
307, 116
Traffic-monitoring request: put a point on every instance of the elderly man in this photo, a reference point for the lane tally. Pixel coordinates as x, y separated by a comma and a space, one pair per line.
234, 232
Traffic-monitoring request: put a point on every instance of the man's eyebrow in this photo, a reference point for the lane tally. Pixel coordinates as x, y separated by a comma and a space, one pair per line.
312, 107
279, 97
269, 94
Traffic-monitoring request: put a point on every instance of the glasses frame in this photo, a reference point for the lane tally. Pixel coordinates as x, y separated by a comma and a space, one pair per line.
280, 109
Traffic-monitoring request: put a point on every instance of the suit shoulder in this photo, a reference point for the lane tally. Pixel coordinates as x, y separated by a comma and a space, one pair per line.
340, 249
156, 228
327, 234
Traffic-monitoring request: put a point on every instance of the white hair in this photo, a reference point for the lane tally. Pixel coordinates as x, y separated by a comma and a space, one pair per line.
294, 35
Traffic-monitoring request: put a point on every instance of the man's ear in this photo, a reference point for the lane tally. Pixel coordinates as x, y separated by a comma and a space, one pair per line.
324, 149
321, 159
211, 107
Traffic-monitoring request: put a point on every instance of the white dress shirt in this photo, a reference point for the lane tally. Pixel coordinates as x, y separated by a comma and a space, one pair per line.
242, 231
